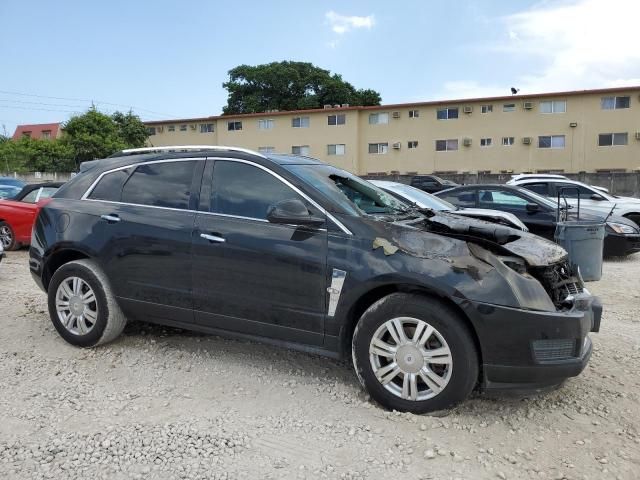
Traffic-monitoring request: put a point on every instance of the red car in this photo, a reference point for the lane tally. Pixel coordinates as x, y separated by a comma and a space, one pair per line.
17, 214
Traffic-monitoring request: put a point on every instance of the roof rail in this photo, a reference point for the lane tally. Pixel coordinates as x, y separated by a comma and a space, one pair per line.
182, 148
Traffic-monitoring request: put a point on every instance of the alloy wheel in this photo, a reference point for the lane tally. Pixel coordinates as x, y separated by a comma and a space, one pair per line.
76, 306
410, 358
6, 236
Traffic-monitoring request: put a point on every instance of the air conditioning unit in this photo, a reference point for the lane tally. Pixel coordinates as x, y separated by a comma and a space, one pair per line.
397, 145
527, 105
637, 135
395, 114
467, 109
345, 105
526, 140
466, 142
327, 107
337, 105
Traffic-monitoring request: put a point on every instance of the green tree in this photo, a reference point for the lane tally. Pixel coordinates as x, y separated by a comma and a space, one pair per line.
289, 86
131, 130
31, 155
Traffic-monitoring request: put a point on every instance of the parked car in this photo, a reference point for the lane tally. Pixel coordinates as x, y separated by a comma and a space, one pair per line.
539, 213
422, 199
9, 187
431, 183
295, 252
17, 214
591, 197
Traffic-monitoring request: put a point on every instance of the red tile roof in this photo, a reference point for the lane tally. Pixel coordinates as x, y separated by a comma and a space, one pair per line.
35, 131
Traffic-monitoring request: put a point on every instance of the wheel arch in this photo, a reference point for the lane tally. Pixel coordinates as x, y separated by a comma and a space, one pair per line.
58, 259
375, 294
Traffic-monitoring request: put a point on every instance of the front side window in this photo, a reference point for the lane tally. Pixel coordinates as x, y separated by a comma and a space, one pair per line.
553, 106
165, 184
336, 149
245, 190
508, 141
234, 126
447, 145
109, 187
613, 139
300, 150
509, 107
447, 113
300, 122
378, 118
266, 124
339, 119
615, 103
551, 141
206, 128
571, 190
378, 148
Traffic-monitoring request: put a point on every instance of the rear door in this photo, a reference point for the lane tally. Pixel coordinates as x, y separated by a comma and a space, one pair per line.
252, 276
148, 231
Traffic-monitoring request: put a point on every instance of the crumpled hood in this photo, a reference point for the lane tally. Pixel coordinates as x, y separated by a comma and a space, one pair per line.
535, 250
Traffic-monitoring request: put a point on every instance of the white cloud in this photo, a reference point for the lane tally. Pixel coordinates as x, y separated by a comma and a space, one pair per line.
575, 44
342, 24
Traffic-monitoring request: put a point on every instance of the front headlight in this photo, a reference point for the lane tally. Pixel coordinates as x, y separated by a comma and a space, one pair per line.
622, 228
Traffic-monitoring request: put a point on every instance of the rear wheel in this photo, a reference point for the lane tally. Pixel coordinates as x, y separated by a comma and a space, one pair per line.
7, 237
414, 353
82, 306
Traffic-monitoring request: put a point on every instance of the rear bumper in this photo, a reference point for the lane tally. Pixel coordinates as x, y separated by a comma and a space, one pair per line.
618, 245
529, 350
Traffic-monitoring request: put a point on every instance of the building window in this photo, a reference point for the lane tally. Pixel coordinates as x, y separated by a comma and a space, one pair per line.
234, 126
265, 124
206, 128
150, 131
414, 113
300, 150
378, 118
266, 149
551, 141
183, 128
339, 119
613, 139
300, 122
614, 103
171, 128
508, 141
509, 107
486, 108
553, 106
447, 113
46, 134
378, 148
447, 145
486, 142
336, 149
412, 144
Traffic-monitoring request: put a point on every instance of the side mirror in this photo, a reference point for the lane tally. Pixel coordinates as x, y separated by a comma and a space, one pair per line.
292, 212
533, 207
595, 196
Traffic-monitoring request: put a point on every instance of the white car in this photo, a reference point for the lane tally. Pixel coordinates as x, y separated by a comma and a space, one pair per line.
423, 199
591, 198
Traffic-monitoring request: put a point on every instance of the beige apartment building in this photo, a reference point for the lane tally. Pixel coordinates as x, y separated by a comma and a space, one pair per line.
576, 131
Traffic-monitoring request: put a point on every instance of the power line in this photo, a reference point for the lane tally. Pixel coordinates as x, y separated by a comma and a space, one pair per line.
85, 100
23, 102
12, 107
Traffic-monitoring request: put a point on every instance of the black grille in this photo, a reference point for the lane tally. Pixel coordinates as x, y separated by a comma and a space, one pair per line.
554, 350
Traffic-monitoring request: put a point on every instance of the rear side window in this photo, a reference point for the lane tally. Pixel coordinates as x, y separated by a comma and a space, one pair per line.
500, 199
166, 184
110, 186
540, 188
461, 199
246, 191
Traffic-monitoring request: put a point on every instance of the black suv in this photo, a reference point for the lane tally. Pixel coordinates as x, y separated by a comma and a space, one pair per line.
431, 183
290, 250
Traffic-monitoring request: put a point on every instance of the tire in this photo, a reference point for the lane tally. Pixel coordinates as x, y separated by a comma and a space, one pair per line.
101, 320
415, 312
8, 237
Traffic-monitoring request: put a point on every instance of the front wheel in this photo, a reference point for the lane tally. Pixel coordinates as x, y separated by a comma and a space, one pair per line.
414, 353
8, 237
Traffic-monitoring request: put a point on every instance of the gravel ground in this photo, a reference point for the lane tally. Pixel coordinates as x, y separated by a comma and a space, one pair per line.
162, 404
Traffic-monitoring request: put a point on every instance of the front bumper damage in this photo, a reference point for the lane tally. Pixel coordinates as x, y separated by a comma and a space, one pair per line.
528, 349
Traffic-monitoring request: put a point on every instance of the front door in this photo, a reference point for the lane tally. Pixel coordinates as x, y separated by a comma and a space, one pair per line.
252, 276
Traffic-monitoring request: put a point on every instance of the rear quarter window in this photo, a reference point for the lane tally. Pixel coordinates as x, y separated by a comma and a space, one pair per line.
110, 186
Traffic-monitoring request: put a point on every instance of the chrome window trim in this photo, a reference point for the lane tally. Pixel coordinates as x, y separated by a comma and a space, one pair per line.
151, 162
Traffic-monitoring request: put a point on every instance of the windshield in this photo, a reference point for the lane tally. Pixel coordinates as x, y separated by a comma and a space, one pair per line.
8, 191
14, 182
355, 195
419, 197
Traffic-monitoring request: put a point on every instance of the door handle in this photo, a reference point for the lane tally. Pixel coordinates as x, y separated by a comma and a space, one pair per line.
110, 218
213, 238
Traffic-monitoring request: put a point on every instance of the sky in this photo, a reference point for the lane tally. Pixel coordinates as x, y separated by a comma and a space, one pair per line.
168, 59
